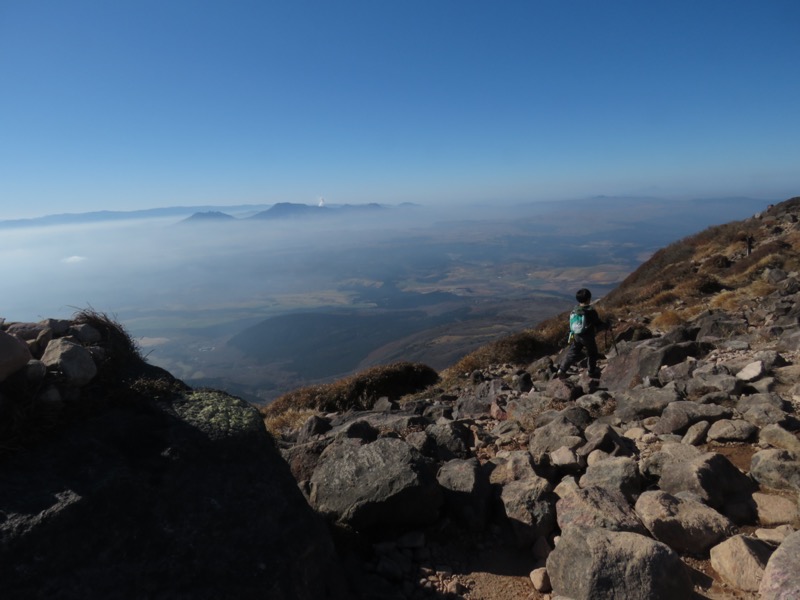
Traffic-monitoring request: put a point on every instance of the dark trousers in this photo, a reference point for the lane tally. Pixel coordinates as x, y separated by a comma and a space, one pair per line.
579, 345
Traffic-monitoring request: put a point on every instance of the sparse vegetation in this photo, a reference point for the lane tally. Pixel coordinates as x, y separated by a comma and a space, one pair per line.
518, 348
121, 349
30, 408
667, 320
357, 392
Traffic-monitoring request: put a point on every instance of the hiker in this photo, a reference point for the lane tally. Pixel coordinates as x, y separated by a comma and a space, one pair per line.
584, 324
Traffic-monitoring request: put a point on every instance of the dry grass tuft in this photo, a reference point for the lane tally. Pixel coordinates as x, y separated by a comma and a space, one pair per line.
357, 392
667, 320
287, 421
518, 348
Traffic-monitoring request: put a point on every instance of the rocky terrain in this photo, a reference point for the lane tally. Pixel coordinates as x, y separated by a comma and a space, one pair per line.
675, 475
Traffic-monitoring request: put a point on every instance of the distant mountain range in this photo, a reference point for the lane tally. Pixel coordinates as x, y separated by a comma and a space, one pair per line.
195, 214
148, 213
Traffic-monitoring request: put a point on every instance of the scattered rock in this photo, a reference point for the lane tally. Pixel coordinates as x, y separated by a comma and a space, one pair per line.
740, 561
686, 526
588, 564
384, 483
597, 507
781, 578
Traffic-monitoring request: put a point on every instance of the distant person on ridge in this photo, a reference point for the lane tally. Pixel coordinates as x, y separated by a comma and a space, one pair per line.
584, 323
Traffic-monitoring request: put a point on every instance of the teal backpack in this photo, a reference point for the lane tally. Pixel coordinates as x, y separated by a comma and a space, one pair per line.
577, 321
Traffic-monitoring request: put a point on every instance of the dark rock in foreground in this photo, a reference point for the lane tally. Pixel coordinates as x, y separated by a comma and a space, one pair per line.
179, 498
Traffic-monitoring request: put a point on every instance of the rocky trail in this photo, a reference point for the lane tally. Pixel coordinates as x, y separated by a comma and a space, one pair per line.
682, 463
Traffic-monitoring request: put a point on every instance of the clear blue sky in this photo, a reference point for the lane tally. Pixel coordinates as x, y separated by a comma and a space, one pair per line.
129, 104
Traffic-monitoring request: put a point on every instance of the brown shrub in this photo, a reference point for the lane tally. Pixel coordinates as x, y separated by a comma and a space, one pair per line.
760, 288
728, 300
359, 391
518, 348
717, 262
718, 235
645, 280
664, 298
288, 420
117, 342
667, 320
769, 255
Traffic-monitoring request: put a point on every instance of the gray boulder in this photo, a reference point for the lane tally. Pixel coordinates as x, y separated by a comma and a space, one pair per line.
686, 526
731, 430
710, 476
601, 436
670, 452
763, 414
703, 382
639, 403
620, 474
452, 439
745, 403
552, 436
382, 484
597, 507
72, 360
778, 437
740, 562
781, 579
696, 434
511, 467
774, 510
678, 416
598, 564
530, 506
466, 491
645, 361
776, 469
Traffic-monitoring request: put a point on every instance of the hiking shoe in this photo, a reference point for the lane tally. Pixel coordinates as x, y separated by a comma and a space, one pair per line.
595, 373
561, 374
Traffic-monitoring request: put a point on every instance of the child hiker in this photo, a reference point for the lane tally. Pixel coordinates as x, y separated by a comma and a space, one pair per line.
584, 323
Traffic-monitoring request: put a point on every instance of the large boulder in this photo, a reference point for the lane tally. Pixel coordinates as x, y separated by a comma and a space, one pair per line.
14, 355
71, 360
597, 507
597, 564
777, 469
552, 436
740, 561
645, 360
619, 473
686, 526
639, 403
451, 439
678, 416
385, 483
781, 578
466, 491
710, 476
181, 497
530, 506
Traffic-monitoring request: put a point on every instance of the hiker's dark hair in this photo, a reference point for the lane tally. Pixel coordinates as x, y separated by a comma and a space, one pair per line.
583, 295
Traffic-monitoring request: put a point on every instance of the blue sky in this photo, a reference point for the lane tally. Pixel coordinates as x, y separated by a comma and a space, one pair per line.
138, 103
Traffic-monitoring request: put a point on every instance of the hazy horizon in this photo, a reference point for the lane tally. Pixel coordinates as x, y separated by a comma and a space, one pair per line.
120, 265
